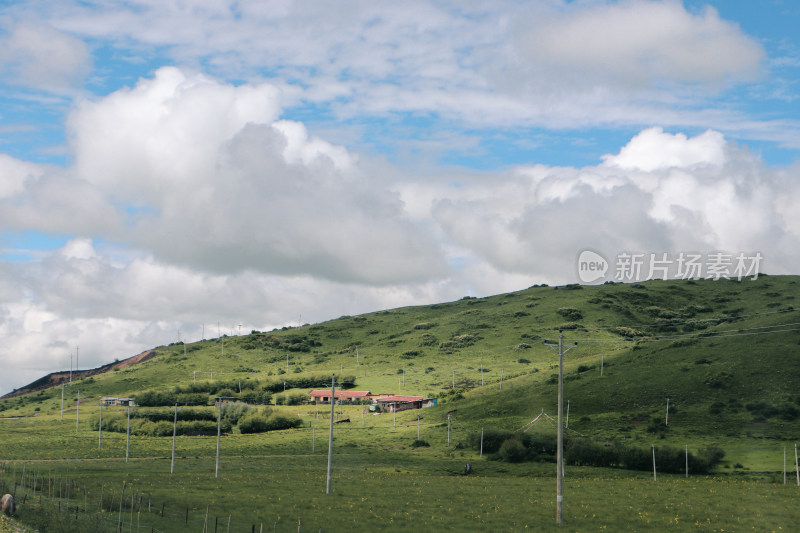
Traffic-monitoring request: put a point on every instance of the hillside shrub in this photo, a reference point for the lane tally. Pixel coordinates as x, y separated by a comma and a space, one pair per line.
512, 451
419, 443
155, 399
570, 313
259, 423
233, 411
428, 340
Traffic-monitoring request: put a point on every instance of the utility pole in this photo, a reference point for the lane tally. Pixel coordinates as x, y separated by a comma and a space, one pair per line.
78, 414
77, 360
62, 401
666, 419
128, 435
560, 446
796, 469
70, 367
330, 436
448, 429
100, 428
219, 431
174, 432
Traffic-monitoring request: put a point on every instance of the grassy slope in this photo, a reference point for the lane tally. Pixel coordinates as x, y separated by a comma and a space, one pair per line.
727, 372
636, 379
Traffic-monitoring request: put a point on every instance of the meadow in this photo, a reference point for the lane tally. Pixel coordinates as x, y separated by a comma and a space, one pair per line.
724, 354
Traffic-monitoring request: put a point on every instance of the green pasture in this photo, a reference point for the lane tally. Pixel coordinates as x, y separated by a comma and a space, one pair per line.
724, 354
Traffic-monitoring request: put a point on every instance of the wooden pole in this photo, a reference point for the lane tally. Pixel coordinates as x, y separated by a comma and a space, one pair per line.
481, 442
330, 436
62, 401
313, 439
687, 461
78, 414
666, 420
417, 427
100, 429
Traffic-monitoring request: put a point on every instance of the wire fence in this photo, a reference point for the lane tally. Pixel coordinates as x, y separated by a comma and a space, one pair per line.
51, 502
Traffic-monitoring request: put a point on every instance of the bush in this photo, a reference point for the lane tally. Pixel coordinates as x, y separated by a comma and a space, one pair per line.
492, 439
583, 452
512, 451
233, 411
570, 313
420, 444
155, 399
253, 423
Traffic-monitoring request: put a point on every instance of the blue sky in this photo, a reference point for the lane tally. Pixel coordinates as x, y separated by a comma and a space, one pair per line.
160, 161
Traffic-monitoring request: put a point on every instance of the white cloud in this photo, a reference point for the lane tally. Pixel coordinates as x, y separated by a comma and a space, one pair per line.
14, 174
286, 227
653, 149
216, 182
38, 56
636, 43
522, 63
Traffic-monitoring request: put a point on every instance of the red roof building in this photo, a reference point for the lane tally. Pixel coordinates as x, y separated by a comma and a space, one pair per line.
341, 395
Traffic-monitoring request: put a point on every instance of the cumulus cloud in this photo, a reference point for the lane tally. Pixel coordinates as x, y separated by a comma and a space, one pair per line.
661, 192
209, 178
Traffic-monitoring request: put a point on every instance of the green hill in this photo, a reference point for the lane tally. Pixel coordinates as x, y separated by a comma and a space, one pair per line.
724, 354
714, 348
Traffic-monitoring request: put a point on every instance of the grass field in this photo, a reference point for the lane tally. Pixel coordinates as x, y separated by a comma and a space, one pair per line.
724, 354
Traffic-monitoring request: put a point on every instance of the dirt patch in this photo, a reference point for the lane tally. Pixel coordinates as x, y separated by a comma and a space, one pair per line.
57, 378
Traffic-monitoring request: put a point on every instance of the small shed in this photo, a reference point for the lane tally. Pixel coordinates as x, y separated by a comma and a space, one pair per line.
394, 402
113, 400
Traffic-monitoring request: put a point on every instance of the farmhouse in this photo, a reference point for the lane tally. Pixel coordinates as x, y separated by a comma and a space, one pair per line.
341, 395
392, 402
112, 400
